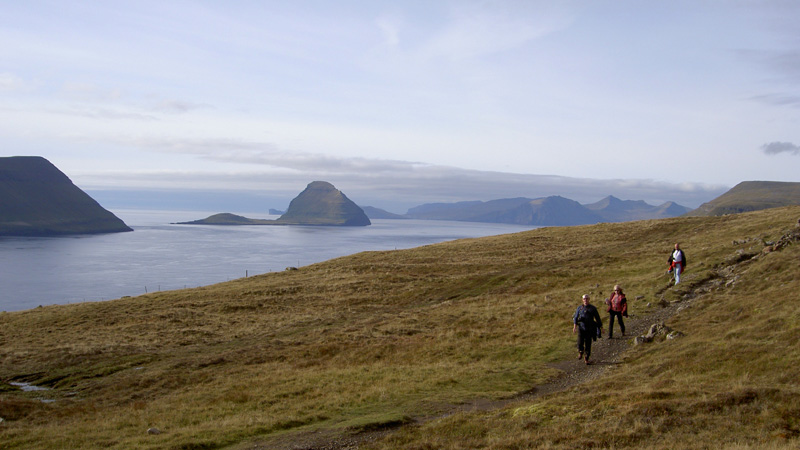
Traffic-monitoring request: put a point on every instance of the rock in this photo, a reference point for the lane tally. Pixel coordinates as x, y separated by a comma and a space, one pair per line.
656, 330
675, 335
153, 430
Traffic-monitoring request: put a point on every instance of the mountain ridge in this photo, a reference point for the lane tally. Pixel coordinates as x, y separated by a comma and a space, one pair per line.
544, 211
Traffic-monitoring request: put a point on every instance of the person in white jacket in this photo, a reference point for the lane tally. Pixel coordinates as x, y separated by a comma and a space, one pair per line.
677, 262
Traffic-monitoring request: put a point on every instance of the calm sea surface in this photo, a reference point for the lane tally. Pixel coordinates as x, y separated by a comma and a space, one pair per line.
159, 256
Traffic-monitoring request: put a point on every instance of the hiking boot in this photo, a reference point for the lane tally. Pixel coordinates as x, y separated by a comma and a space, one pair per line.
580, 355
586, 360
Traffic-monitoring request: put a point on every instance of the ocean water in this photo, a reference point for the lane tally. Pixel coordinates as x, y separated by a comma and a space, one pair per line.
160, 255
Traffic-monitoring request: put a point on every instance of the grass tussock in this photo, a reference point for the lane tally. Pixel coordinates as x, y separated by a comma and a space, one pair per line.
372, 339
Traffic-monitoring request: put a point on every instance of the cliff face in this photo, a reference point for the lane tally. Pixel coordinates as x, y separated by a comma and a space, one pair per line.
37, 199
322, 204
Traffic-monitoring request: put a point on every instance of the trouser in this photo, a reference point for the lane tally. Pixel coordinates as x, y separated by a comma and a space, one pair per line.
618, 315
677, 271
585, 342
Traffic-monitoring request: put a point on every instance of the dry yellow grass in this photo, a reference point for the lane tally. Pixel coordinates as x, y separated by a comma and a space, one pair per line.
378, 337
732, 382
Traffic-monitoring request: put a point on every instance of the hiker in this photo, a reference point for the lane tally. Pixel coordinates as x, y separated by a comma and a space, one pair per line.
586, 322
677, 263
617, 308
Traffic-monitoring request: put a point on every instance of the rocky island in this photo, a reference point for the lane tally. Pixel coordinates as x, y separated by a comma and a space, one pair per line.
37, 199
319, 204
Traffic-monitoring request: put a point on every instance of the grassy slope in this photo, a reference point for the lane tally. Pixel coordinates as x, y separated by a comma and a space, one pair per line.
731, 382
751, 196
380, 336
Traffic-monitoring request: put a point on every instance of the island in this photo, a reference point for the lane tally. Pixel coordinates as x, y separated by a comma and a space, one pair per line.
319, 204
37, 199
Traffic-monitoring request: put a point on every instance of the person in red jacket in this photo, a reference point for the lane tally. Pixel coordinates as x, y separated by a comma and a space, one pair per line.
617, 308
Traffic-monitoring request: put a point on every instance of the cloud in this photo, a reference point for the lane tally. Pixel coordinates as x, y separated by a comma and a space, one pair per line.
178, 106
268, 154
775, 148
390, 30
479, 30
89, 92
396, 185
102, 114
779, 99
10, 82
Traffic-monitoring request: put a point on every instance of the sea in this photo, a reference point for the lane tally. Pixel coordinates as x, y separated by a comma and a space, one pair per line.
160, 255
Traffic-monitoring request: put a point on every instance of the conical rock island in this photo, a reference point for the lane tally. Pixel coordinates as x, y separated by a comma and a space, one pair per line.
322, 204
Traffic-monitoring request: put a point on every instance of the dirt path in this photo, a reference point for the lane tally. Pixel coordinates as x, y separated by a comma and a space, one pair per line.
605, 354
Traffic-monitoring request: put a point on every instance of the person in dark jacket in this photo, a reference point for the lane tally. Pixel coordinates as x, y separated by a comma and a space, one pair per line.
586, 322
617, 308
677, 262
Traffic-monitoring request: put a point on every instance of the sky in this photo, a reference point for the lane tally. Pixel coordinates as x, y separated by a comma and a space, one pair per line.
400, 103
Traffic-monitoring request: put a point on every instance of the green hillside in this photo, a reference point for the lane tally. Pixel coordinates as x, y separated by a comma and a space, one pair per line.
751, 196
37, 199
410, 341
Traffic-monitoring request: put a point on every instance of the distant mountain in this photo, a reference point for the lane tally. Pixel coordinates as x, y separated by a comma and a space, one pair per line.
471, 211
612, 209
751, 196
319, 204
276, 212
37, 199
377, 213
549, 211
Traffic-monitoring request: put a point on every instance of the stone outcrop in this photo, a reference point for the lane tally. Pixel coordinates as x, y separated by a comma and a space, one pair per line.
657, 331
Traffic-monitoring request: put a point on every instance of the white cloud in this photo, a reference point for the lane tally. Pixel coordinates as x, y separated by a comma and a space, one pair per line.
178, 106
392, 185
482, 29
10, 82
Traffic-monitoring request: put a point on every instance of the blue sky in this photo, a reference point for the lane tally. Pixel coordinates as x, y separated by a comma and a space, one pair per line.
399, 103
